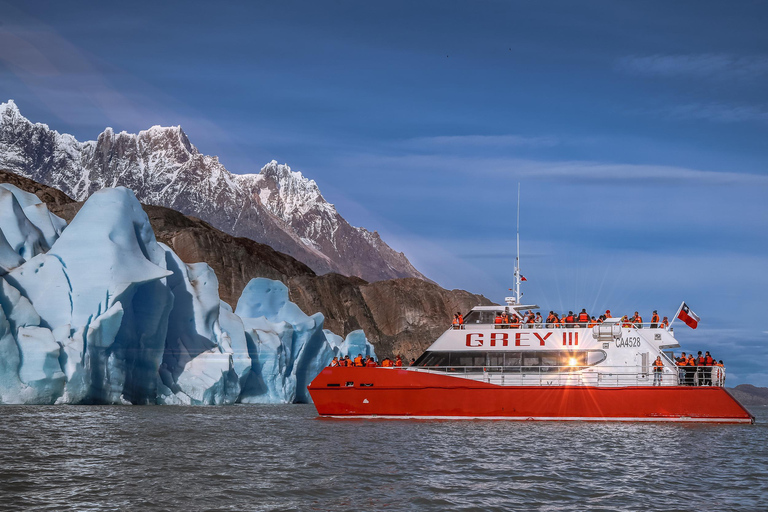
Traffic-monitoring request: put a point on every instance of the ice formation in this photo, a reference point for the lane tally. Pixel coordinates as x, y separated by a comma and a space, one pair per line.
100, 312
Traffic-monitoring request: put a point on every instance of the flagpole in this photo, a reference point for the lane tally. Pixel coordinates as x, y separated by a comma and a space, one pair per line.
676, 315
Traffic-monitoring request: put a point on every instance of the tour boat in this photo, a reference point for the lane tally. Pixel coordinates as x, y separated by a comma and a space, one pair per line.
541, 372
483, 369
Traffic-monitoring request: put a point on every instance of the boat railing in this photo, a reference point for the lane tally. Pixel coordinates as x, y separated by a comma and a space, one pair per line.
545, 325
602, 376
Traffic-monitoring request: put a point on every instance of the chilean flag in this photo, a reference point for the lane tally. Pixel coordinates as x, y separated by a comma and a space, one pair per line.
522, 278
689, 317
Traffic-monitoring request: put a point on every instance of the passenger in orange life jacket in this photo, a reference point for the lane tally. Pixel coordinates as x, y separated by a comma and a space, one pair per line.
583, 317
370, 362
564, 320
637, 320
387, 362
664, 323
708, 362
607, 313
538, 321
690, 371
347, 361
551, 319
505, 320
681, 362
515, 321
654, 319
498, 321
570, 319
461, 320
399, 361
658, 367
412, 362
625, 322
359, 360
334, 362
592, 322
456, 324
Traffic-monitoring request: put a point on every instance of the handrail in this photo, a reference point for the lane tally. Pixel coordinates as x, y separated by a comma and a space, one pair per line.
608, 376
545, 325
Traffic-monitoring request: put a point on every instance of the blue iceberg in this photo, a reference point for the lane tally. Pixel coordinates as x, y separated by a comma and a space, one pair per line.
100, 312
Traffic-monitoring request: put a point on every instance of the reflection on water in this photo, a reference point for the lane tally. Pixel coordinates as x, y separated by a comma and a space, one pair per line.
285, 458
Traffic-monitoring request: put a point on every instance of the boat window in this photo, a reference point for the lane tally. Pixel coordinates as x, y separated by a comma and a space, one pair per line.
480, 317
467, 359
433, 359
595, 356
512, 359
496, 359
531, 359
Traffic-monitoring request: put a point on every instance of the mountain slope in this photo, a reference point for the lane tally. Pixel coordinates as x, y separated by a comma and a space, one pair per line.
398, 315
277, 206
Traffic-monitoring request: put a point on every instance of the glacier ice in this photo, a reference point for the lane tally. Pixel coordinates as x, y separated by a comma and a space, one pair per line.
100, 312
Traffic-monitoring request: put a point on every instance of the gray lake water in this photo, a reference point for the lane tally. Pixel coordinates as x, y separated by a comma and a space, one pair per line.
285, 458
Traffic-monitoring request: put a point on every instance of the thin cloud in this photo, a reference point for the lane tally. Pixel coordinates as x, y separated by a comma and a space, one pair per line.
483, 141
573, 171
719, 112
704, 65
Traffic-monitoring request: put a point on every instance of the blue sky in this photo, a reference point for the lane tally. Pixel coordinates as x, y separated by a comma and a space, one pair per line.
636, 129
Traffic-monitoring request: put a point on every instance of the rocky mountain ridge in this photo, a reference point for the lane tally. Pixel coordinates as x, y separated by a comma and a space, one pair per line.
278, 207
398, 315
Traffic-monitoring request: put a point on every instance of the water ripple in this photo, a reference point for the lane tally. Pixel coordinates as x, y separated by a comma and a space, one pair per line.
285, 458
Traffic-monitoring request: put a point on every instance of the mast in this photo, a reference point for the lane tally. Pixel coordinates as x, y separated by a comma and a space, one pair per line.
517, 258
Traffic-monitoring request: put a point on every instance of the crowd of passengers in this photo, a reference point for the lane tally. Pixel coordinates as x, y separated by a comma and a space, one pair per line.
505, 320
697, 370
368, 361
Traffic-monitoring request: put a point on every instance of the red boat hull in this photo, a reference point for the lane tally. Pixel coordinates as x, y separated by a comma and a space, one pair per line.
399, 393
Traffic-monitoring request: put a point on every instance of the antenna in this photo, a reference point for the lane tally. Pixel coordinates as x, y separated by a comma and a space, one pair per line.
517, 258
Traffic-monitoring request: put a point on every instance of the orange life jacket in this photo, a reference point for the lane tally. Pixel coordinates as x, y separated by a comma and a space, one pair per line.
335, 363
655, 319
583, 317
358, 361
498, 320
665, 324
388, 363
592, 323
709, 360
370, 362
658, 363
461, 319
399, 362
569, 319
691, 361
721, 365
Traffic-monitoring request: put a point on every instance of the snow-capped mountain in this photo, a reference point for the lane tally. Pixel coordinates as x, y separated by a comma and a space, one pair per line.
277, 206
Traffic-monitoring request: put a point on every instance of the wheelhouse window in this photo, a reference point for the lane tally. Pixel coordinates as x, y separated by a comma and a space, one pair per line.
512, 361
480, 317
